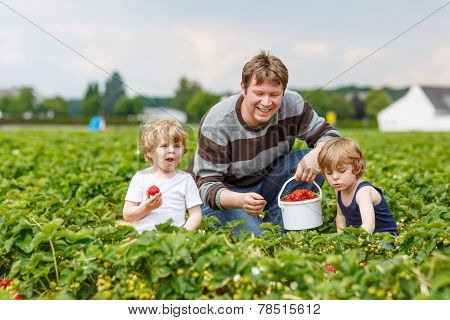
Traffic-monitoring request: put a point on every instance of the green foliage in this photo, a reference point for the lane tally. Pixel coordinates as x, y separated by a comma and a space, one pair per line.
322, 102
157, 101
16, 105
128, 106
343, 108
62, 237
114, 89
199, 104
317, 99
185, 91
58, 105
92, 102
6, 104
376, 100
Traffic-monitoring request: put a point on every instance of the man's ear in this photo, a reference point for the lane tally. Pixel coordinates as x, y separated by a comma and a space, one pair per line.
243, 89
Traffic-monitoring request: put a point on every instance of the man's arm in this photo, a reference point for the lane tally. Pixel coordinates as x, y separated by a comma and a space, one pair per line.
251, 202
315, 131
308, 167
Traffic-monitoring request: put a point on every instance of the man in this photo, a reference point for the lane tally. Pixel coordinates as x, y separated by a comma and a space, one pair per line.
244, 146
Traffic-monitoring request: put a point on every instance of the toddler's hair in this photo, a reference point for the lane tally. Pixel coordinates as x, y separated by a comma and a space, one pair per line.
156, 131
341, 151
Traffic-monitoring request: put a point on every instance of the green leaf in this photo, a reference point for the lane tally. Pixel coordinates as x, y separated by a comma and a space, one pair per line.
52, 226
39, 257
37, 239
8, 244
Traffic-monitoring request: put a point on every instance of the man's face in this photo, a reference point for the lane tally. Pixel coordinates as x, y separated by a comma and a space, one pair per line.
261, 102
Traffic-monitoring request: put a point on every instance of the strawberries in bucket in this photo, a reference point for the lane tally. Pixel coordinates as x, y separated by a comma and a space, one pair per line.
299, 195
301, 209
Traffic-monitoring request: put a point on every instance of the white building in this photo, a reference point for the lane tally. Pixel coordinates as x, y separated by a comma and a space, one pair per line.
422, 108
9, 92
159, 113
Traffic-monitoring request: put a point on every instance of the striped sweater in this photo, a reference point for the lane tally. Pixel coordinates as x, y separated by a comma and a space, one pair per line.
231, 154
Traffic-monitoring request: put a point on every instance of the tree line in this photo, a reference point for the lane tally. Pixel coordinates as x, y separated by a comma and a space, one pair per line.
347, 103
189, 97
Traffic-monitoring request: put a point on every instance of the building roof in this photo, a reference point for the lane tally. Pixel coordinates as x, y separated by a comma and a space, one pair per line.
9, 92
439, 97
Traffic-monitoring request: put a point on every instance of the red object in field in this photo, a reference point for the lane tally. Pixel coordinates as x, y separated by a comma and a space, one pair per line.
330, 268
18, 296
5, 283
152, 191
299, 195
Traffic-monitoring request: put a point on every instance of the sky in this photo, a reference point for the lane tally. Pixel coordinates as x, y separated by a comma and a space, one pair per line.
152, 44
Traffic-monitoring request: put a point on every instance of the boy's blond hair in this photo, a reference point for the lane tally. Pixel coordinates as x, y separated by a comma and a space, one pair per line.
153, 132
265, 66
341, 151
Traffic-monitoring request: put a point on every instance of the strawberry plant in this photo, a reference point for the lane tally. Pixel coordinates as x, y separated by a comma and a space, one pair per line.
62, 234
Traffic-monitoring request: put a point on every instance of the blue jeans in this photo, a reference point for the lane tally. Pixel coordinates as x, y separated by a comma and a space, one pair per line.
268, 187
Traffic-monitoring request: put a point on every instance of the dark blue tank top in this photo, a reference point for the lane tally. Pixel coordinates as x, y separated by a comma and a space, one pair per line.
384, 219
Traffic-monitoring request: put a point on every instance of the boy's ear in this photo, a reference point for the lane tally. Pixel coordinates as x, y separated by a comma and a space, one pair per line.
360, 167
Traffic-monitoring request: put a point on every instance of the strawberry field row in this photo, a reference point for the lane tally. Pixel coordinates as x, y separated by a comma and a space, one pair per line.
62, 236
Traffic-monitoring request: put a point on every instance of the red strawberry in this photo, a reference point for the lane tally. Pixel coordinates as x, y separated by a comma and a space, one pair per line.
18, 296
152, 191
299, 195
310, 195
330, 268
5, 283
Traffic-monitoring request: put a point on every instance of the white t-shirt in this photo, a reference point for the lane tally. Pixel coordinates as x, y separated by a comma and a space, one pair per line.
178, 194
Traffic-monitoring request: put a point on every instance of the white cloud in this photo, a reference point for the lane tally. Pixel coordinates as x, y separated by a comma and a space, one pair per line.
430, 69
311, 49
153, 45
354, 55
441, 61
208, 58
10, 47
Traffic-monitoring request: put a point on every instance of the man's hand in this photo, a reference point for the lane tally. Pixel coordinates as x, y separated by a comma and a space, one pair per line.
253, 203
154, 202
308, 167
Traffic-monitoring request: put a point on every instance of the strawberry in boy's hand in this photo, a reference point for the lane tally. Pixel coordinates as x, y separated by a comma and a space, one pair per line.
299, 195
154, 198
152, 191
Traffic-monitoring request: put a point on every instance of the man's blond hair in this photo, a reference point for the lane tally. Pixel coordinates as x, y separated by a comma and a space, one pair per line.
265, 67
154, 132
341, 151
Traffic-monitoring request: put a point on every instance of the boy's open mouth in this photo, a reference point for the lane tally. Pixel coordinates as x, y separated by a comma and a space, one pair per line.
170, 160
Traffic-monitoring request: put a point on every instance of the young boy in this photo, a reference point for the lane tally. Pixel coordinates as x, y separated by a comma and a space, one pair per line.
360, 204
162, 191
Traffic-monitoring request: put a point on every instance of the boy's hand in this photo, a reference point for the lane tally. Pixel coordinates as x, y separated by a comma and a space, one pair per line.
253, 203
154, 202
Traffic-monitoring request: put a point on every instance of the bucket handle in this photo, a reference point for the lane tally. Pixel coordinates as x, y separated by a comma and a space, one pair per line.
289, 180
